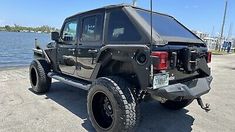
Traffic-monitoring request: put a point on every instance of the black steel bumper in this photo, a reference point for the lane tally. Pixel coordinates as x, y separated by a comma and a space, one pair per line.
188, 90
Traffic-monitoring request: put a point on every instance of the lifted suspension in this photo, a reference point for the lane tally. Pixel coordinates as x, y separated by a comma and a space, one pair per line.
204, 107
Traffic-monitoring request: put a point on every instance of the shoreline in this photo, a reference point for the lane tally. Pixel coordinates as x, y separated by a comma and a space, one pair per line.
13, 68
25, 32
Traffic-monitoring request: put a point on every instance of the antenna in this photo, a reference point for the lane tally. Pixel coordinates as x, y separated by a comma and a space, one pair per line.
151, 20
151, 35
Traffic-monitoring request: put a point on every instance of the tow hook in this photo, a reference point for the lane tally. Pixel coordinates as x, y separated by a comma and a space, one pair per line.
206, 108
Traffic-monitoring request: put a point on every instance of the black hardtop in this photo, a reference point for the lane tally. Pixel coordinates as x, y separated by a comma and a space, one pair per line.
113, 7
163, 40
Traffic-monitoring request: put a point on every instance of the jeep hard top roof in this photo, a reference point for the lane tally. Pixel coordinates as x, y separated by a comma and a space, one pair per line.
115, 6
142, 18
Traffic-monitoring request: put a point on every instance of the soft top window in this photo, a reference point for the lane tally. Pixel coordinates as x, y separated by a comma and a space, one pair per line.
166, 26
121, 29
69, 31
92, 28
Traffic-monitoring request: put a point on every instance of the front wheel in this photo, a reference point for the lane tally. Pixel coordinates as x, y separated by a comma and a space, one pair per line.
39, 80
112, 106
176, 105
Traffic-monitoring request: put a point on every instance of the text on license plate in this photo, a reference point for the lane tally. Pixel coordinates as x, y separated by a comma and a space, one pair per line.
160, 80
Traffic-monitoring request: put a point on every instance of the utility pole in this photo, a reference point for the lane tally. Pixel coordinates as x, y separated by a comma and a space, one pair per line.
222, 29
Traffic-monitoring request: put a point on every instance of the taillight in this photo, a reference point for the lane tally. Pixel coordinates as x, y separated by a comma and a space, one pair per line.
209, 57
163, 60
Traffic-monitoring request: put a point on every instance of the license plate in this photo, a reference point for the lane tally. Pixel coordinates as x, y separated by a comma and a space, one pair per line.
160, 80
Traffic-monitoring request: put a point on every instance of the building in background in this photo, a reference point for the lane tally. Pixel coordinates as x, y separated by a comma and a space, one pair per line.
200, 34
212, 41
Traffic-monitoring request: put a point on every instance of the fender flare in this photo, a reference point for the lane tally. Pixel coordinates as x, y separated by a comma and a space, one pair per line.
126, 54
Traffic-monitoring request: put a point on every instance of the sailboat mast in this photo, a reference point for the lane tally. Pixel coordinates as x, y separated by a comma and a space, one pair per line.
134, 2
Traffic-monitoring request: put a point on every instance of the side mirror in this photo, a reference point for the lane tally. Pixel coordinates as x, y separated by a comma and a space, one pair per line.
55, 36
68, 38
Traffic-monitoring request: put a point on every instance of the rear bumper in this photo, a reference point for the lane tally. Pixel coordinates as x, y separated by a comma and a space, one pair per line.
188, 90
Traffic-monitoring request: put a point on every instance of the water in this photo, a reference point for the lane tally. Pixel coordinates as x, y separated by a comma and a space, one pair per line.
16, 48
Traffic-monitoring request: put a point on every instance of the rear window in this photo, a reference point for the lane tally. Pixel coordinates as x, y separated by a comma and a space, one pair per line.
166, 26
121, 29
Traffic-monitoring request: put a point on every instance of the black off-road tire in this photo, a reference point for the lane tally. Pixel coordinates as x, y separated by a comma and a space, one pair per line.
39, 80
176, 105
124, 113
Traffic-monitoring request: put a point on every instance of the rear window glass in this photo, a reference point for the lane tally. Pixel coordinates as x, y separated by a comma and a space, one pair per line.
166, 26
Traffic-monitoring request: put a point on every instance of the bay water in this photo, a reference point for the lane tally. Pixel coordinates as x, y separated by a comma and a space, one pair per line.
16, 47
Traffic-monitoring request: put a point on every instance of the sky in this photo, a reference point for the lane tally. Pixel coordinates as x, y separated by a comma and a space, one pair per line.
201, 15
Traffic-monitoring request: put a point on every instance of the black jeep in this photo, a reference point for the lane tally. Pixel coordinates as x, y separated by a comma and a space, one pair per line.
113, 53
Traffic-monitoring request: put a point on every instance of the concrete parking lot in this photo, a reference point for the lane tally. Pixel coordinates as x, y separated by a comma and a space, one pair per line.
64, 107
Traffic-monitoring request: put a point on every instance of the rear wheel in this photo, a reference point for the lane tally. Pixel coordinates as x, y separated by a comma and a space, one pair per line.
39, 80
112, 106
176, 105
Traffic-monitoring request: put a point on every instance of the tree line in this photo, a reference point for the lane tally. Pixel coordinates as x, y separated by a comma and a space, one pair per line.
18, 28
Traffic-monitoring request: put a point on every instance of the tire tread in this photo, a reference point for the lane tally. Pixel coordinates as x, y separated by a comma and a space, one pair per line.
126, 101
42, 68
